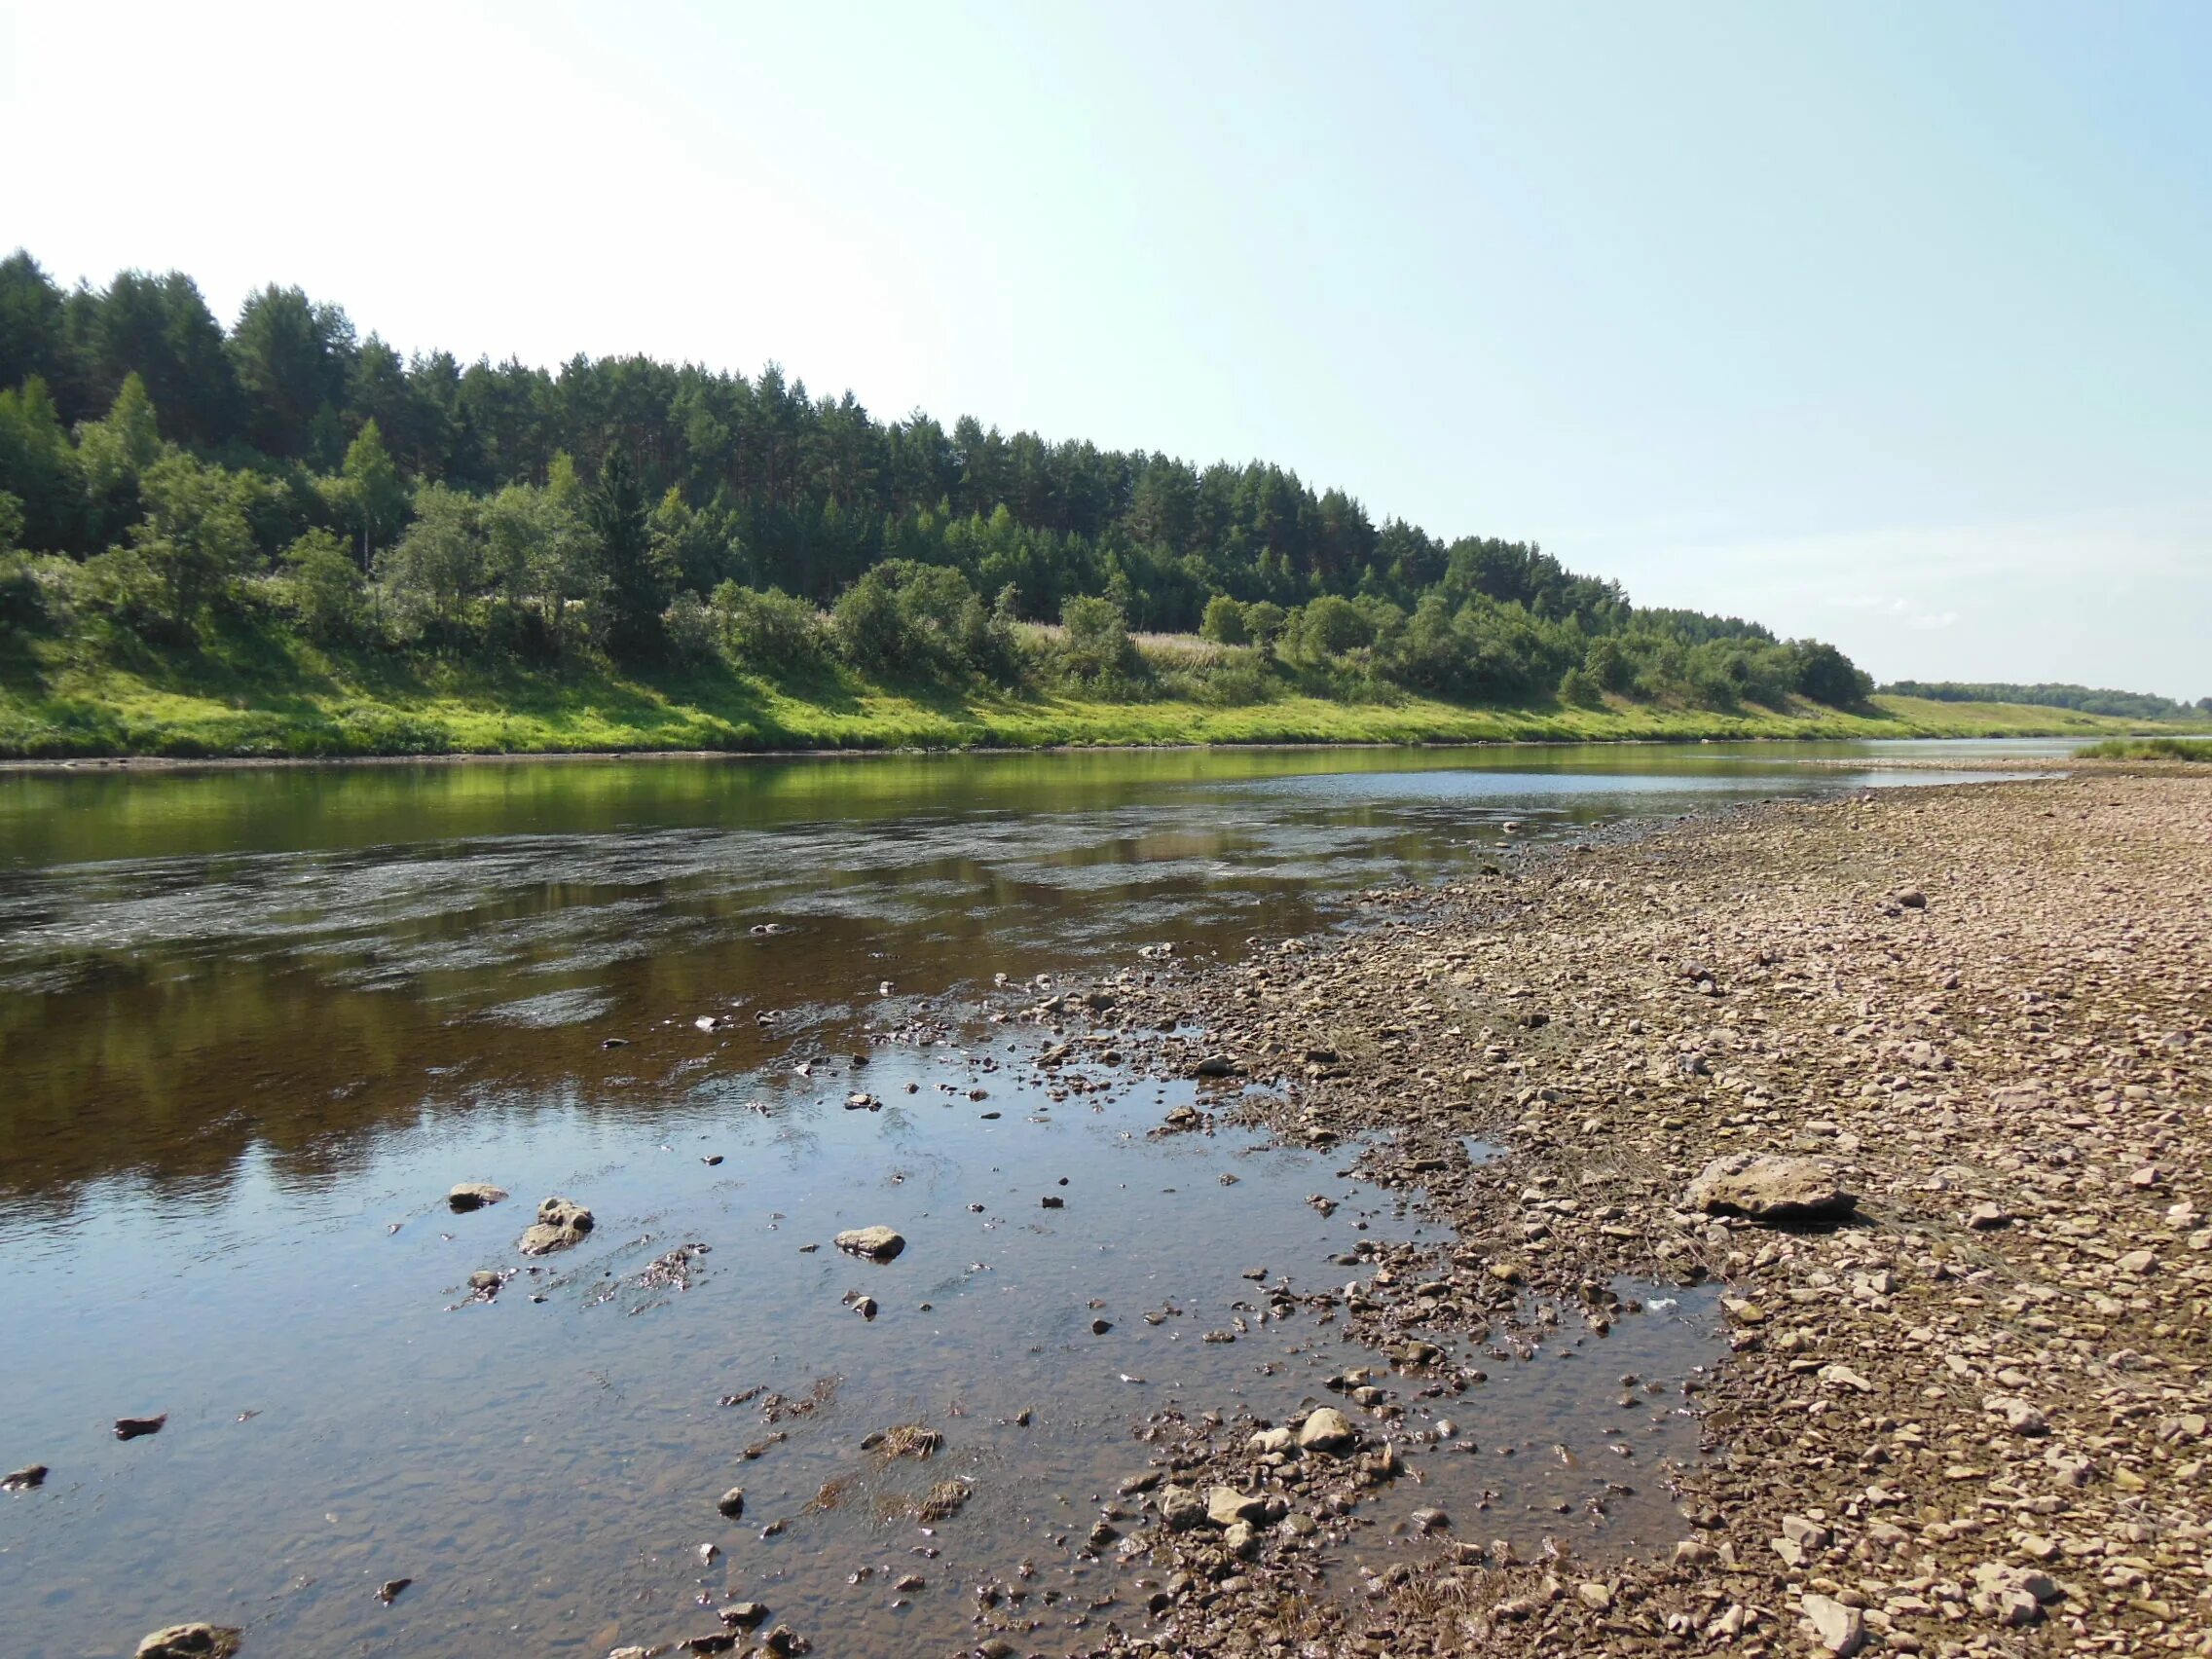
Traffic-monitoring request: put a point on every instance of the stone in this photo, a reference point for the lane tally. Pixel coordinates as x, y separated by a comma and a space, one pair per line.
191, 1642
1765, 1187
24, 1479
1841, 1629
1595, 1596
731, 1503
1240, 1540
473, 1195
130, 1428
877, 1243
1225, 1506
1327, 1429
1988, 1217
1180, 1508
2020, 1418
560, 1226
1272, 1440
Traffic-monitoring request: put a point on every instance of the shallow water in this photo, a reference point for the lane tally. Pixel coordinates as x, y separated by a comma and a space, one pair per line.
254, 1024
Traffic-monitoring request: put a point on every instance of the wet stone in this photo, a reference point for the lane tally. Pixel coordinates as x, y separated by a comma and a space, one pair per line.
877, 1243
560, 1226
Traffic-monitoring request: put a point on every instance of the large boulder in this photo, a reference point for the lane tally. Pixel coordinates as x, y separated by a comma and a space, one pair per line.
1766, 1187
560, 1224
191, 1642
473, 1194
877, 1243
1327, 1429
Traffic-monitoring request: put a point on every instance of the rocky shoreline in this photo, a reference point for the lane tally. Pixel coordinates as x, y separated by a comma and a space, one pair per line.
1970, 1416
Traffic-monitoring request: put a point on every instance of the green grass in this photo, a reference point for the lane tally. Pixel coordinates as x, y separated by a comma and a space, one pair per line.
2147, 749
283, 699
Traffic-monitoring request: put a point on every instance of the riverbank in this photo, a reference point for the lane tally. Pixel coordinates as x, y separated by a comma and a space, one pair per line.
215, 713
1971, 1415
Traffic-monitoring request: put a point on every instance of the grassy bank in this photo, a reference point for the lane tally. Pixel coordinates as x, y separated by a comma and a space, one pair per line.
304, 704
2148, 749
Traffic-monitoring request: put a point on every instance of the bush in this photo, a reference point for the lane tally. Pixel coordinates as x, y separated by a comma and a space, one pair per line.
1264, 619
1225, 622
1236, 683
692, 631
1580, 687
1334, 626
768, 629
23, 602
322, 589
1097, 641
921, 619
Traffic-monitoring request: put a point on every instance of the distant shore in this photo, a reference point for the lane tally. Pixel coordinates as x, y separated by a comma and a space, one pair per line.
107, 717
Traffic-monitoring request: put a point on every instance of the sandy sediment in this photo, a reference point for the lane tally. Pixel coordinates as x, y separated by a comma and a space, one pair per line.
1969, 1418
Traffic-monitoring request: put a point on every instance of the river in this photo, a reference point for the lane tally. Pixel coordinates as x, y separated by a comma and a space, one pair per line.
255, 1022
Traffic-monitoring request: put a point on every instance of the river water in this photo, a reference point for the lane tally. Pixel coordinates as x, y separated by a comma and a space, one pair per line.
254, 1024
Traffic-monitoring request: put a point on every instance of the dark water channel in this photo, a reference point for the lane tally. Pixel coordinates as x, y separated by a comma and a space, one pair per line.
254, 1024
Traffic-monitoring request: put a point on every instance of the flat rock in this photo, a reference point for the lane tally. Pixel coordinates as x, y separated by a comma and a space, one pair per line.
471, 1196
1841, 1629
1767, 1187
877, 1243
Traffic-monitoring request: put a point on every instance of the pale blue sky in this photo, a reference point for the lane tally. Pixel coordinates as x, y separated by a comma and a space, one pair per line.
1890, 323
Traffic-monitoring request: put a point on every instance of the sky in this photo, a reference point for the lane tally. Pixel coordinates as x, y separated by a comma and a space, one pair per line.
1885, 323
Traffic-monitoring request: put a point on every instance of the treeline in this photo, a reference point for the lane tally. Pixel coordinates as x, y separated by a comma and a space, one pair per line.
162, 477
2088, 699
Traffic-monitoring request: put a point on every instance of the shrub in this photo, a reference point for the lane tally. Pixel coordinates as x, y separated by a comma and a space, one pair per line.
1223, 621
1580, 687
1097, 641
768, 629
691, 630
322, 588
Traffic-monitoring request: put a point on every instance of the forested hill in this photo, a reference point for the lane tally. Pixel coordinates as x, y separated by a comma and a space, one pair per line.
2088, 699
165, 481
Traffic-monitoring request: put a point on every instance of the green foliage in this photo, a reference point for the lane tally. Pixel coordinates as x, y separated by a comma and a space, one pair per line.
616, 513
1264, 619
291, 356
196, 536
1095, 645
324, 590
1580, 687
914, 621
438, 567
2147, 749
768, 630
692, 631
372, 498
39, 467
1225, 622
205, 468
1328, 626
